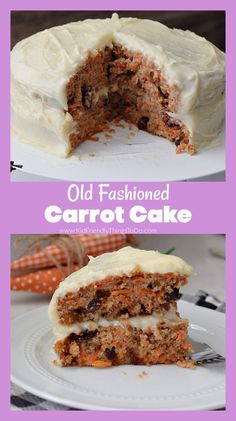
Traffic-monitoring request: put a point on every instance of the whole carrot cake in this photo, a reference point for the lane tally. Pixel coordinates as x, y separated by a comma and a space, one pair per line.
121, 309
69, 81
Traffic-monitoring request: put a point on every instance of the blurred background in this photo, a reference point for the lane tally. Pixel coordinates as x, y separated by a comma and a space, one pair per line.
209, 24
35, 278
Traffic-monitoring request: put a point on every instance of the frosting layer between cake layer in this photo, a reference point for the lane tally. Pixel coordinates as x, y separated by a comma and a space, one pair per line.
138, 322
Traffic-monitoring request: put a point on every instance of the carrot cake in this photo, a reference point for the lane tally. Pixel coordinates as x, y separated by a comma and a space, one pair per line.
69, 81
121, 309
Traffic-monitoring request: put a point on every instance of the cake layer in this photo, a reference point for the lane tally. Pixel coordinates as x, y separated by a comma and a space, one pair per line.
42, 65
163, 343
120, 296
130, 280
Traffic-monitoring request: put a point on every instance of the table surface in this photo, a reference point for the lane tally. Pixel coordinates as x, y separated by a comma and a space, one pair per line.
208, 273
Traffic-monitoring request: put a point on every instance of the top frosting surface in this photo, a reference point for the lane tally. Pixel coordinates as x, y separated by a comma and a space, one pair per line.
51, 56
178, 46
125, 261
55, 53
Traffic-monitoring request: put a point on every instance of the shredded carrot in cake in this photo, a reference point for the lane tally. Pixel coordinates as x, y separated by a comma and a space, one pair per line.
117, 119
93, 138
162, 359
121, 291
131, 292
181, 335
123, 299
186, 345
101, 127
101, 364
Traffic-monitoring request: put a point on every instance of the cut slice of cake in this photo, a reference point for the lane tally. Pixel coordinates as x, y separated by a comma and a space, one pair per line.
121, 309
69, 81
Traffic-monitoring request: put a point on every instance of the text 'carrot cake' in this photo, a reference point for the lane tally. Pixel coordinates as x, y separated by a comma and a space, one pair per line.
121, 309
69, 81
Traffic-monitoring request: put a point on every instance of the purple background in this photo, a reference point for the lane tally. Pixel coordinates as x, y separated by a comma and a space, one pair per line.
207, 201
212, 204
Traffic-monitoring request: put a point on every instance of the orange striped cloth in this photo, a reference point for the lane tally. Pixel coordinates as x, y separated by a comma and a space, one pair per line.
38, 273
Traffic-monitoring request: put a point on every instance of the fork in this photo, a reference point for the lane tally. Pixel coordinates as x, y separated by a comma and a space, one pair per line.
204, 354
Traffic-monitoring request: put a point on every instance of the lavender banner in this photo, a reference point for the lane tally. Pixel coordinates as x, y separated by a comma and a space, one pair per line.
118, 207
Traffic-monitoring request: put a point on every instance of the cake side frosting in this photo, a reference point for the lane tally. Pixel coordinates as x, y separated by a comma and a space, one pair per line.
124, 262
42, 64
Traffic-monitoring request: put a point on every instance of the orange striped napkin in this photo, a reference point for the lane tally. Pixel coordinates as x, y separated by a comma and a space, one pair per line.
39, 273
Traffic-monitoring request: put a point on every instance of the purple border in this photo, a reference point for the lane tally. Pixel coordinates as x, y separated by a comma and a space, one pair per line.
218, 201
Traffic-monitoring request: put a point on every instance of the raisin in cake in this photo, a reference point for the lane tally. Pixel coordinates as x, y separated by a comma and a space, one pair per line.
121, 309
70, 80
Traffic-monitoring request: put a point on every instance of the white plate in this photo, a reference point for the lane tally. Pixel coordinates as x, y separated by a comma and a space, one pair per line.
141, 158
164, 387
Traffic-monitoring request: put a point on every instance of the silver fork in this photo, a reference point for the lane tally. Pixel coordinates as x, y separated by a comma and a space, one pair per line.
204, 354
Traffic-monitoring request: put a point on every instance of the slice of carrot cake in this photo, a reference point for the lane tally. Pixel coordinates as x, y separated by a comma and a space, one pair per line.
69, 81
121, 309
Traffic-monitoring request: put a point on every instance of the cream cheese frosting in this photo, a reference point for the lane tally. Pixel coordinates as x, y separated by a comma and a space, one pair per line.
139, 322
42, 64
124, 262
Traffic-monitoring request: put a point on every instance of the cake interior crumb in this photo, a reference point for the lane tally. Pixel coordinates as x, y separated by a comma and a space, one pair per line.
124, 88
